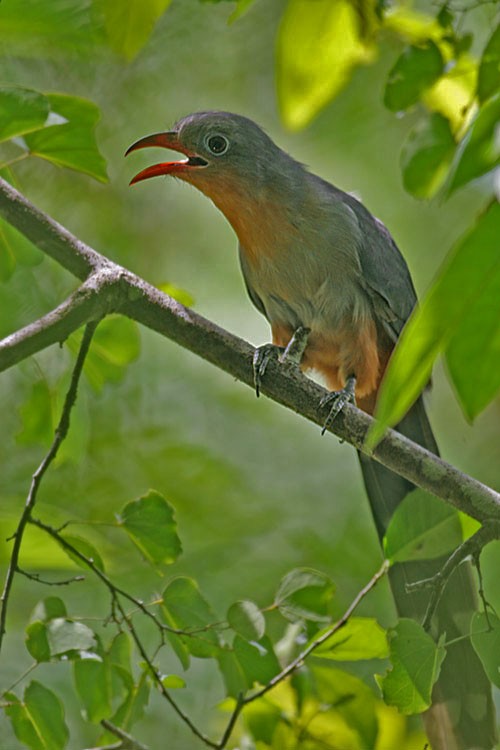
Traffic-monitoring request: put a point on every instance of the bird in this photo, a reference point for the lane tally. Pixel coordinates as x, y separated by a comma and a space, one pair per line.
321, 268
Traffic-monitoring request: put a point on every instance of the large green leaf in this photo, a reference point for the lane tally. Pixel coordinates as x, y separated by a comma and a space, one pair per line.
257, 659
129, 24
305, 594
416, 662
359, 638
422, 528
92, 685
479, 150
417, 68
485, 636
319, 43
149, 521
21, 110
488, 81
185, 608
472, 268
39, 720
247, 620
426, 156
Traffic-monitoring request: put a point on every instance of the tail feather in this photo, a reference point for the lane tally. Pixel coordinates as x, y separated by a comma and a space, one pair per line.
462, 715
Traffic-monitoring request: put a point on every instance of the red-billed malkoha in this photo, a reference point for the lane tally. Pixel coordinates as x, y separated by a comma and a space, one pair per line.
316, 261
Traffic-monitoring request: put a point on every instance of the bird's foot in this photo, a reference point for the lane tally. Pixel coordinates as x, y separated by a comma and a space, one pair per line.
336, 400
291, 355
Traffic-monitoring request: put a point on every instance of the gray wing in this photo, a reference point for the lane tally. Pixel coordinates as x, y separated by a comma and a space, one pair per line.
251, 292
385, 274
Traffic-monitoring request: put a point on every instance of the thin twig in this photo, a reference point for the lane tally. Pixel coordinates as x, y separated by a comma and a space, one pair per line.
130, 742
36, 577
60, 434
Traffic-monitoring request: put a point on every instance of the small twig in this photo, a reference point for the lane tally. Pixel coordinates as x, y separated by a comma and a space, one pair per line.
60, 433
36, 577
472, 547
21, 677
128, 742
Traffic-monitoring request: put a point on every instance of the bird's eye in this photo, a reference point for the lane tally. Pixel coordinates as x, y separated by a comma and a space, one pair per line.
218, 144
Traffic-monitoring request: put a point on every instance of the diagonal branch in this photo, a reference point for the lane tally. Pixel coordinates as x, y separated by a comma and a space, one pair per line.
142, 302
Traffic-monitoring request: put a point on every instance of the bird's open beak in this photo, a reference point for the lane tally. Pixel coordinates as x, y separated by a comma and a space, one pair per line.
169, 139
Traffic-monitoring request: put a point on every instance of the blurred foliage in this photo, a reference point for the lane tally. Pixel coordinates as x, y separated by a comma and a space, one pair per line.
247, 487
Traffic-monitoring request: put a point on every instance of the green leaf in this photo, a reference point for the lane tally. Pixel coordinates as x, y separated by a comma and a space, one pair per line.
172, 682
133, 707
426, 156
129, 25
247, 620
416, 662
181, 295
485, 636
473, 264
305, 594
415, 70
359, 638
232, 673
318, 46
185, 608
422, 528
92, 686
65, 636
85, 548
70, 142
21, 111
14, 247
149, 521
488, 81
262, 718
348, 696
37, 641
479, 150
116, 343
39, 720
48, 609
257, 659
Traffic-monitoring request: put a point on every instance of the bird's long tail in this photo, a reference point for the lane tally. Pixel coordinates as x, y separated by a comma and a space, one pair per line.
462, 715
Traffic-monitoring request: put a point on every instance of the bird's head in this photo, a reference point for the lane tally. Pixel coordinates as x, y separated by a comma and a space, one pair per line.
219, 147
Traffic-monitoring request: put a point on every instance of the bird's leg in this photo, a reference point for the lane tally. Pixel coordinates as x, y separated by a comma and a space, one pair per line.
291, 355
336, 400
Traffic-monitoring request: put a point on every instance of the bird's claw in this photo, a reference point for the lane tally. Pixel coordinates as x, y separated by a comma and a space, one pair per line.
336, 400
261, 358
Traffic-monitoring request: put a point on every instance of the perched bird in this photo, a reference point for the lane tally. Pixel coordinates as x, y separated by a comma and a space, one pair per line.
315, 261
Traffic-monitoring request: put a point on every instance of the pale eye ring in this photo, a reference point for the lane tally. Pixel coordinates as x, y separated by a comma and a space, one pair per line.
217, 144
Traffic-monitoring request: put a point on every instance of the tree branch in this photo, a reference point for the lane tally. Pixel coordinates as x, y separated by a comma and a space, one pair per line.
135, 298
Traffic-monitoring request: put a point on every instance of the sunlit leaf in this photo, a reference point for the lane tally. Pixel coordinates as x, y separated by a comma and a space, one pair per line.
359, 638
262, 717
21, 110
185, 608
412, 25
453, 92
173, 682
479, 150
247, 620
129, 25
149, 521
417, 68
349, 697
92, 686
69, 140
488, 82
485, 638
426, 156
318, 46
39, 720
257, 659
305, 594
181, 295
422, 528
66, 635
470, 269
416, 662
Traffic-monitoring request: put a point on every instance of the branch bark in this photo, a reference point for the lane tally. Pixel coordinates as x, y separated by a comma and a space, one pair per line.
109, 287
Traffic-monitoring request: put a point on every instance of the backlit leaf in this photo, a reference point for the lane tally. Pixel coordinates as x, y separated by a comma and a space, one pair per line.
416, 662
319, 44
359, 638
422, 528
464, 278
305, 594
149, 521
129, 25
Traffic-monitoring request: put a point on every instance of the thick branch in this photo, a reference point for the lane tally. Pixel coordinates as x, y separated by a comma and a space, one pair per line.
139, 300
